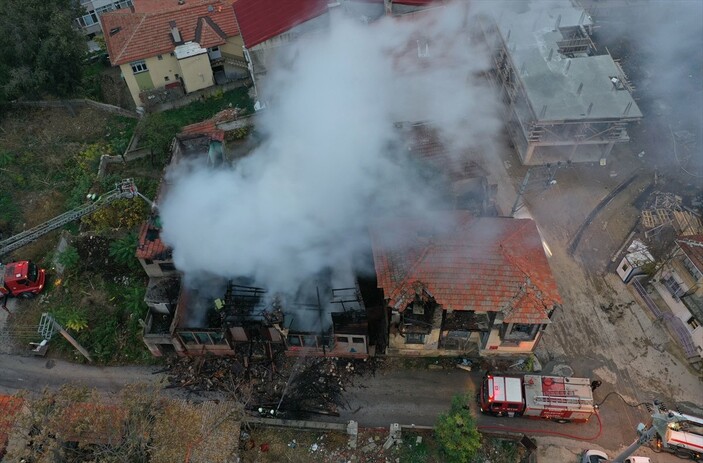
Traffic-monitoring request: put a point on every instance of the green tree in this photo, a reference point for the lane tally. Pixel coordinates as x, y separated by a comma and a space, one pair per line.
69, 258
123, 250
155, 134
456, 432
41, 50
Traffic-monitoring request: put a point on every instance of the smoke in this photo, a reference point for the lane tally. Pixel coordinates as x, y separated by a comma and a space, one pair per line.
659, 43
331, 159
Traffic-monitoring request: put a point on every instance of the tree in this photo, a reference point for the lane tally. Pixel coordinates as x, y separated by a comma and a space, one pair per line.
155, 134
456, 431
41, 50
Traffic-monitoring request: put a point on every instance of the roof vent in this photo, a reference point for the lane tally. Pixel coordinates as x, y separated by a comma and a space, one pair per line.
114, 30
181, 2
210, 8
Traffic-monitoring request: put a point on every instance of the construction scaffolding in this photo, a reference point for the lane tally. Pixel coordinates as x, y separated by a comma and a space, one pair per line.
564, 100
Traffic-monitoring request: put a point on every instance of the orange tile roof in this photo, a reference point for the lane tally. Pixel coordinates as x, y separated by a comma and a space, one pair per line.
484, 264
146, 32
150, 245
209, 127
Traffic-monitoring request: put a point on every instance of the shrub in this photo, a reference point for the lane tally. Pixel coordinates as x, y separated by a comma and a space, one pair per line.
456, 432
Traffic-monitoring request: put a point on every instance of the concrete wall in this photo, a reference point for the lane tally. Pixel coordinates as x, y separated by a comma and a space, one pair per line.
496, 346
196, 72
234, 46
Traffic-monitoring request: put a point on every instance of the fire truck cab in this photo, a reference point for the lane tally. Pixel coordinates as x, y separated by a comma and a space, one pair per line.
21, 279
502, 396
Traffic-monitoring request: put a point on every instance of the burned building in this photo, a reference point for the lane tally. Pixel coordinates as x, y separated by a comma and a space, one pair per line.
457, 284
565, 99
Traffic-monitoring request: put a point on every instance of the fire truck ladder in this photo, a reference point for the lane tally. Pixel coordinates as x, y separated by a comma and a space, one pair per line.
564, 400
124, 189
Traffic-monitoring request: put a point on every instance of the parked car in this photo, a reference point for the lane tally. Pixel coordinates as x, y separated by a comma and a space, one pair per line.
596, 456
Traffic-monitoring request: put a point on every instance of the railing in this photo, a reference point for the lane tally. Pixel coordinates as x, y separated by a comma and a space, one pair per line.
673, 322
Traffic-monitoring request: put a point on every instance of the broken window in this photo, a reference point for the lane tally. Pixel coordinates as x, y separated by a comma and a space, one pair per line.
167, 267
520, 332
294, 340
414, 338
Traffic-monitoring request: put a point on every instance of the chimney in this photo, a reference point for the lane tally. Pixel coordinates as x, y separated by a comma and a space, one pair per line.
175, 33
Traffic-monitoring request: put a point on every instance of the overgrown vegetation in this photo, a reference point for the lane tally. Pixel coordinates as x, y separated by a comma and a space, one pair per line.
207, 108
80, 426
49, 160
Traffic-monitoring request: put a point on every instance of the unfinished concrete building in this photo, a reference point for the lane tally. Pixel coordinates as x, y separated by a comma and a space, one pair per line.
565, 99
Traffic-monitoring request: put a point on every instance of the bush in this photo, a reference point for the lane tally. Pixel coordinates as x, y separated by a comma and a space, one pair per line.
69, 258
456, 432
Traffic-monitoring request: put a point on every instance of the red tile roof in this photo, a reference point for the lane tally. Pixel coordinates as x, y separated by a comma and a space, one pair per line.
260, 20
150, 245
146, 32
692, 246
210, 126
484, 264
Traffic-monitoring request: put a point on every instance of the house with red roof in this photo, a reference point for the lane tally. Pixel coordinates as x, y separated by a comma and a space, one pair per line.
457, 283
184, 45
267, 25
679, 284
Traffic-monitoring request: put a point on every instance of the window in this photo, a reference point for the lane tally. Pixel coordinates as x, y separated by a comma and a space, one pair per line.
160, 58
343, 339
294, 340
32, 272
167, 267
172, 54
138, 66
520, 332
188, 338
166, 78
414, 338
624, 267
148, 261
203, 338
693, 323
356, 340
310, 341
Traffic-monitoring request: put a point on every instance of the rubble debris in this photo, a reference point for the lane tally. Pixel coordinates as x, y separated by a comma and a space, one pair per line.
273, 387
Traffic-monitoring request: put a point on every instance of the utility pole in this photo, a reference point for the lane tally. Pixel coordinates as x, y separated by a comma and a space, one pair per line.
547, 181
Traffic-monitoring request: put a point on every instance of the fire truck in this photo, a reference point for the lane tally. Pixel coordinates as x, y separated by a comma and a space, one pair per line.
24, 278
555, 398
683, 437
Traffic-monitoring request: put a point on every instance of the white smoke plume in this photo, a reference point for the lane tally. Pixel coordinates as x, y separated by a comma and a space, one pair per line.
331, 160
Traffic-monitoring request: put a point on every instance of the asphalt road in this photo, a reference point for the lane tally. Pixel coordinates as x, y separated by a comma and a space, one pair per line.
407, 397
18, 373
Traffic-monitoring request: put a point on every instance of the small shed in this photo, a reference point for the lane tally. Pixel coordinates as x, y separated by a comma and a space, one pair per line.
634, 262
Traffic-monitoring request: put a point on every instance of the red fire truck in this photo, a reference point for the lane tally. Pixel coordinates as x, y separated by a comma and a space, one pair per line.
21, 279
554, 398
